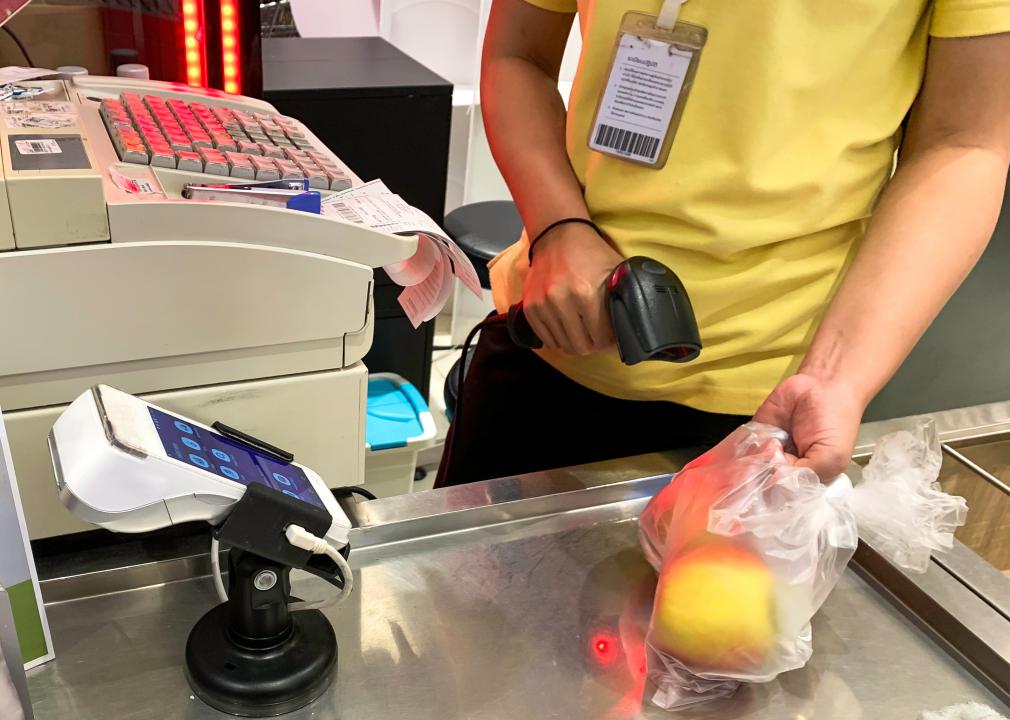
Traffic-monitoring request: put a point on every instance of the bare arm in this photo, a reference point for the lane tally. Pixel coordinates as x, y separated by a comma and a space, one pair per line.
523, 111
525, 121
931, 225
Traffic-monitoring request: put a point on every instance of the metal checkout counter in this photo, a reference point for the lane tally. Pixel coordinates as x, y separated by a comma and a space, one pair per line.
254, 316
528, 597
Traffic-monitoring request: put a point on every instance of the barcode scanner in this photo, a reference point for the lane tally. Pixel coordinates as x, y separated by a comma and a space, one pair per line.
650, 312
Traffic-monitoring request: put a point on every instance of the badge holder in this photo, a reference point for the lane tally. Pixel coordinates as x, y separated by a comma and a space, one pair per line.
252, 656
650, 77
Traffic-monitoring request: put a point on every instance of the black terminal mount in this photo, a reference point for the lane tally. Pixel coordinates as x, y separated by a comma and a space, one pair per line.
252, 656
650, 312
257, 523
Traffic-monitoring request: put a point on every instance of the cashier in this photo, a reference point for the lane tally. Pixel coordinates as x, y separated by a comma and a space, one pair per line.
813, 262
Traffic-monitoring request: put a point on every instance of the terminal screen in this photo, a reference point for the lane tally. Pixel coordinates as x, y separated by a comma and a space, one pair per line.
217, 454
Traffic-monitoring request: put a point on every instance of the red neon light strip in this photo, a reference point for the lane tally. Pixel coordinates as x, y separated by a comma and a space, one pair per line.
230, 68
194, 43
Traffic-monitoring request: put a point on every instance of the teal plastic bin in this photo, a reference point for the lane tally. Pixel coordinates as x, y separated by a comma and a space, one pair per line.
398, 424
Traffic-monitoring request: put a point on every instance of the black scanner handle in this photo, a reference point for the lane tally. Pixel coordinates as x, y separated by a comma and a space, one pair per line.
520, 330
649, 309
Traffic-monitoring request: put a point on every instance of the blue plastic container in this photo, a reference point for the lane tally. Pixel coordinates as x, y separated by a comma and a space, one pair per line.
398, 423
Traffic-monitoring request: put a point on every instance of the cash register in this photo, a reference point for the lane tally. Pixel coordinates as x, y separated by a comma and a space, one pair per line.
253, 316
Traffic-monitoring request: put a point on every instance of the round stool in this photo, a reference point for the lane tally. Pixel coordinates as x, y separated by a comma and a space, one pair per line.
484, 229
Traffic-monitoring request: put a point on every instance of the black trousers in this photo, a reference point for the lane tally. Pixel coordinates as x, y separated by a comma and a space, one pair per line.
520, 415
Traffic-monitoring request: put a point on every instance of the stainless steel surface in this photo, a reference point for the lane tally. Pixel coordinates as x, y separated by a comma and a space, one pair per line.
508, 499
952, 425
431, 504
493, 614
107, 582
979, 576
972, 627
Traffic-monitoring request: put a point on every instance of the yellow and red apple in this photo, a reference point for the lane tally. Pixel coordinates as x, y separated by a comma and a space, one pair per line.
715, 609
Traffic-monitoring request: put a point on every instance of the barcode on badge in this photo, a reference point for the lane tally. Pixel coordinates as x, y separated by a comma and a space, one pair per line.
627, 142
38, 147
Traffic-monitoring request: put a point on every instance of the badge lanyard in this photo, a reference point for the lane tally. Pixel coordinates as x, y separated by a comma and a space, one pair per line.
651, 74
668, 14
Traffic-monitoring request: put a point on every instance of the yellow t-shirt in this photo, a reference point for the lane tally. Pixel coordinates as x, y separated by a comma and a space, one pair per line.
787, 138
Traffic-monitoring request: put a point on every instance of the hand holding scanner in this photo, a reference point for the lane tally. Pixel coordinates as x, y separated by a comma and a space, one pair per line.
650, 311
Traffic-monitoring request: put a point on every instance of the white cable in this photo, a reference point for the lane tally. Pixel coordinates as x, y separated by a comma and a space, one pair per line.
304, 540
215, 566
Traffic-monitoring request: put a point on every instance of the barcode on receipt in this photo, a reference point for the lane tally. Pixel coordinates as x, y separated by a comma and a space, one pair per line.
346, 213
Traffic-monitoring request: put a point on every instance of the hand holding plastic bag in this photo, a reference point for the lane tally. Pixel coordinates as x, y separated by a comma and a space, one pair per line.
748, 547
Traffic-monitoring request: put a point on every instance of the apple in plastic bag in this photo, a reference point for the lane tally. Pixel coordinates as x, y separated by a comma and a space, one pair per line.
715, 609
677, 518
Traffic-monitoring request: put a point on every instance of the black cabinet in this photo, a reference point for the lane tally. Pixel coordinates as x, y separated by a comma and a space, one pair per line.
387, 116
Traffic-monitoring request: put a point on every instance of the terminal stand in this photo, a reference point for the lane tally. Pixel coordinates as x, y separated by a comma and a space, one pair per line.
250, 656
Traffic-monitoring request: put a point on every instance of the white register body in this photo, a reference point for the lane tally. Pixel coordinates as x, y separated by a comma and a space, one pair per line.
255, 316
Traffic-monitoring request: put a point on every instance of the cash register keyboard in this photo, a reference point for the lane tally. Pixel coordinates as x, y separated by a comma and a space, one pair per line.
174, 134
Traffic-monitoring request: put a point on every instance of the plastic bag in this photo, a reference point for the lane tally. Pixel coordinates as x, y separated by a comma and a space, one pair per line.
748, 547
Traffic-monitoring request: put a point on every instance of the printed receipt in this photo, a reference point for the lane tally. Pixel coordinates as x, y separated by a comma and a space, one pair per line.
16, 73
417, 268
426, 276
423, 301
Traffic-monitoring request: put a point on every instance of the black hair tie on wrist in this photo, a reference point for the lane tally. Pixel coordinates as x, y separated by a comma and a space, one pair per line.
563, 221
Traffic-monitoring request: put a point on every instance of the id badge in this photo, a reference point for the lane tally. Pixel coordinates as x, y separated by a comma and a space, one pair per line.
648, 84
